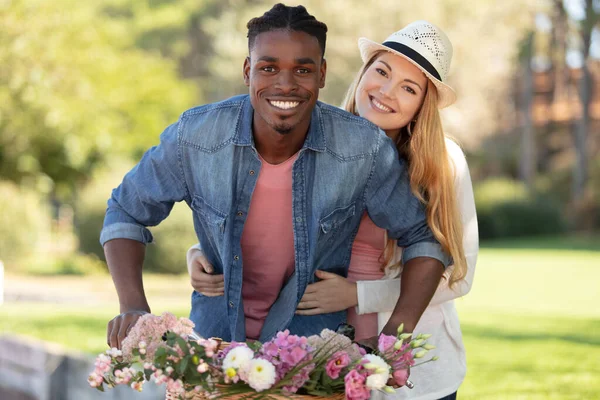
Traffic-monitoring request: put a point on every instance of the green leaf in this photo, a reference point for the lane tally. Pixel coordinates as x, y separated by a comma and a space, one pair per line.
183, 365
183, 344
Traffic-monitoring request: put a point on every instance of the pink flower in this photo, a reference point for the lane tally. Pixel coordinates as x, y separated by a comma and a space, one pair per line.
270, 349
336, 364
281, 340
175, 386
293, 356
400, 376
355, 386
386, 343
95, 380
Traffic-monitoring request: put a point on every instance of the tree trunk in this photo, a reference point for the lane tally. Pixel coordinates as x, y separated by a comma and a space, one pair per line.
559, 51
580, 178
527, 159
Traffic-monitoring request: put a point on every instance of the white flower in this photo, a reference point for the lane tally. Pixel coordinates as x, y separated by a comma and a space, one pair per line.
261, 374
379, 379
238, 358
376, 381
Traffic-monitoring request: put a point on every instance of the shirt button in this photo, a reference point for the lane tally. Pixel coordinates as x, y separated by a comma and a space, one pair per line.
252, 172
231, 304
298, 219
236, 258
240, 214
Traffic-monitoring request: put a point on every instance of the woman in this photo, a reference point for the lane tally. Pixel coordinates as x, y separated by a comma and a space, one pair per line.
400, 88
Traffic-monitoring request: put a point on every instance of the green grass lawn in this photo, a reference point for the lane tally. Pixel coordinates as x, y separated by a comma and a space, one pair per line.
531, 323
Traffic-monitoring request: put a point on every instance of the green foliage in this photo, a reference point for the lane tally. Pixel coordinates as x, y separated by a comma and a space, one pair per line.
72, 264
73, 88
506, 209
24, 223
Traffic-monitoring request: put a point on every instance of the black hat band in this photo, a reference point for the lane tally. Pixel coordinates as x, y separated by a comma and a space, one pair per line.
413, 55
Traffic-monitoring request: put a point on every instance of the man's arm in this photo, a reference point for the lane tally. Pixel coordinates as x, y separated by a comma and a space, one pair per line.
420, 278
382, 295
144, 198
125, 258
392, 205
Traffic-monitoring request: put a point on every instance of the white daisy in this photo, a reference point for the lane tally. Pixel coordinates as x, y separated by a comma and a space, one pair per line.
261, 374
238, 358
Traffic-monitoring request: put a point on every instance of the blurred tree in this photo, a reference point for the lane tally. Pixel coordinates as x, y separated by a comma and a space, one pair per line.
182, 30
559, 51
74, 87
528, 152
581, 173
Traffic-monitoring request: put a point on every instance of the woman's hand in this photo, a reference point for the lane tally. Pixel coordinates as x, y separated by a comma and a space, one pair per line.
201, 275
333, 293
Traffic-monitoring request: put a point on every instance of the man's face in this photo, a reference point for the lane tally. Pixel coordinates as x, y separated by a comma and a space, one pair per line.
284, 73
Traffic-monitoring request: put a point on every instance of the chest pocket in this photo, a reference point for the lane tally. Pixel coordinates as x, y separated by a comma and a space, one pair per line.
334, 220
213, 218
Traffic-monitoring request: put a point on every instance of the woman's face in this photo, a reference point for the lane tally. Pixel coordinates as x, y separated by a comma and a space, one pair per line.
391, 93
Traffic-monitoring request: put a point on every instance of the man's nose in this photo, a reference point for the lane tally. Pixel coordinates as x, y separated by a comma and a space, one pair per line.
286, 81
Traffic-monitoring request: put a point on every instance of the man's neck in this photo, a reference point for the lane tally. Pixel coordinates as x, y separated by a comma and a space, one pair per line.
275, 147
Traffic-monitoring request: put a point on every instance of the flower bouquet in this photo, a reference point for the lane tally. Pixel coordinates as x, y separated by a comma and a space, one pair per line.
164, 349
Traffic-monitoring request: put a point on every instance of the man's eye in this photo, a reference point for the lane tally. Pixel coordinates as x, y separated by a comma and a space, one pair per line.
303, 70
268, 69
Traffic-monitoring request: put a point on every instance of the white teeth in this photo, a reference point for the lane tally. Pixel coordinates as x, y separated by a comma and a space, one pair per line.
285, 105
380, 106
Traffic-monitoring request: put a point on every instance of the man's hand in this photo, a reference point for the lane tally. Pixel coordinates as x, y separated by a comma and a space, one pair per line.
333, 293
201, 276
370, 343
119, 327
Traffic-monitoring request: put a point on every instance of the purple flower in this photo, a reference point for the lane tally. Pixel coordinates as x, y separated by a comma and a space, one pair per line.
293, 356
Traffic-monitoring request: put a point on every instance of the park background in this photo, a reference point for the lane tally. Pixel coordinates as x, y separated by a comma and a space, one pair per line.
87, 86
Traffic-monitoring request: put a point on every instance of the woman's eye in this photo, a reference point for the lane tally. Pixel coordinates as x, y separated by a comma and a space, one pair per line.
410, 90
381, 72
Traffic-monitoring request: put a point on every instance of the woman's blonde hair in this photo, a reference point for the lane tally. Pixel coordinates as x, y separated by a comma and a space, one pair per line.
431, 175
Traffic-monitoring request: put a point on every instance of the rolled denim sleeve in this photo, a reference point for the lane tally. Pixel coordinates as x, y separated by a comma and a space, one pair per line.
392, 206
147, 193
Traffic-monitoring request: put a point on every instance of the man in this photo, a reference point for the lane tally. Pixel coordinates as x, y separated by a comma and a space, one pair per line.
278, 183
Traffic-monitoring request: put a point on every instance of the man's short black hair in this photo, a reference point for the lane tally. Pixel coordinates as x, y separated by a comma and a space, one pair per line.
287, 18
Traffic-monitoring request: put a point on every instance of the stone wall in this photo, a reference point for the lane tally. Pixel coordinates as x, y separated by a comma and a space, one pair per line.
34, 370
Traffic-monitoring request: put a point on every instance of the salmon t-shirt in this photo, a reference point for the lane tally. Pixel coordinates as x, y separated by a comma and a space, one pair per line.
267, 243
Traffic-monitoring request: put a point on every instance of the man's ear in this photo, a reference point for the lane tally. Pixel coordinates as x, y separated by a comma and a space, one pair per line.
247, 71
323, 73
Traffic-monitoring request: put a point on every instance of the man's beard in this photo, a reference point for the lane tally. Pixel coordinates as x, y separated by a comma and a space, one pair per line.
283, 129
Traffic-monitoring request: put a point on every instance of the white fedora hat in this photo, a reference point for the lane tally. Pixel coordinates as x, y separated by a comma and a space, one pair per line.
426, 46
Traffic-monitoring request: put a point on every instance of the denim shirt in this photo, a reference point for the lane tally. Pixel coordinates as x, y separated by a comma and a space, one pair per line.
208, 159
